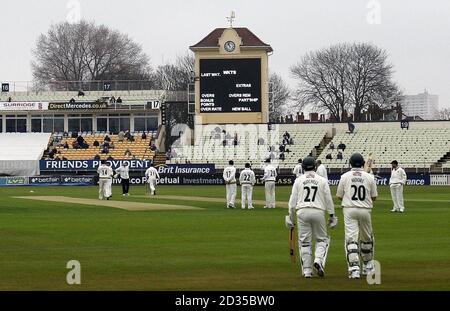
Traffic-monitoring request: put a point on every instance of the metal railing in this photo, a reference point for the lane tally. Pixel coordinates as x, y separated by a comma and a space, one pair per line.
85, 86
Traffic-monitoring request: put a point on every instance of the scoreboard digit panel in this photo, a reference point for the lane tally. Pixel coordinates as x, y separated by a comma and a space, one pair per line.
230, 85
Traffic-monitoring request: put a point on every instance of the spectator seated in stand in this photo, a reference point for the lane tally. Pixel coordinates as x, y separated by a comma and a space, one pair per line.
127, 153
111, 146
339, 156
105, 150
341, 146
75, 145
110, 158
282, 156
107, 138
153, 147
82, 143
120, 136
282, 148
80, 93
66, 145
332, 146
351, 128
329, 157
96, 157
96, 143
144, 136
119, 100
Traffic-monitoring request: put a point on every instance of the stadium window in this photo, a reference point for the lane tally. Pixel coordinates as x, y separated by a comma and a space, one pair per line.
102, 124
152, 123
16, 123
47, 125
74, 125
124, 124
114, 125
36, 125
86, 124
139, 124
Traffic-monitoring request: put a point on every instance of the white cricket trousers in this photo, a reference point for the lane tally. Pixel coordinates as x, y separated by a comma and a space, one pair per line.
152, 185
359, 239
231, 193
104, 188
247, 196
312, 227
397, 197
270, 194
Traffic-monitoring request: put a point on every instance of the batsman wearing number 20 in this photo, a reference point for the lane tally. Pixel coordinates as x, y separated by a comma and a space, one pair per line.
310, 200
357, 189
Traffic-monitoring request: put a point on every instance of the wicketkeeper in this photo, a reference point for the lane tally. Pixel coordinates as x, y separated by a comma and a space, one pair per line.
310, 200
357, 189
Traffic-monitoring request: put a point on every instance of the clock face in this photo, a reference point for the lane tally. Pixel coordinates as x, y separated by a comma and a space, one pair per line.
229, 46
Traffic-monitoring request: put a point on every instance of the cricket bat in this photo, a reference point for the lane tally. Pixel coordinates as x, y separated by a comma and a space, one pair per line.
292, 244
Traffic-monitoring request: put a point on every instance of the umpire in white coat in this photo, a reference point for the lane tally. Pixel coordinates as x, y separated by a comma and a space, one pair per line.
124, 173
396, 182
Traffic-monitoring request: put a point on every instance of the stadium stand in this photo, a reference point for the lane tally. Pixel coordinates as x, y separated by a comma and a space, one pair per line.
63, 96
426, 148
138, 149
414, 148
252, 147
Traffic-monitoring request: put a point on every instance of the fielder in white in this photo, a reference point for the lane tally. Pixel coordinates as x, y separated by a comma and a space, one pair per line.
105, 174
269, 178
229, 175
298, 171
321, 170
310, 200
152, 178
247, 180
357, 189
396, 182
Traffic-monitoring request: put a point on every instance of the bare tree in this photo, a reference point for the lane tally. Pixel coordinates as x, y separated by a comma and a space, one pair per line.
444, 114
86, 52
176, 76
279, 96
322, 81
369, 78
345, 77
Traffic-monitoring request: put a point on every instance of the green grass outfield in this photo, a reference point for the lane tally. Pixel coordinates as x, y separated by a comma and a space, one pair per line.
210, 249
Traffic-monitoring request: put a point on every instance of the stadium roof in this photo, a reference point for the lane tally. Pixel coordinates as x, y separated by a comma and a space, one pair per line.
249, 39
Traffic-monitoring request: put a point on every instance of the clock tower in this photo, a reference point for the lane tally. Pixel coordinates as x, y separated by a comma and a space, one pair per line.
231, 70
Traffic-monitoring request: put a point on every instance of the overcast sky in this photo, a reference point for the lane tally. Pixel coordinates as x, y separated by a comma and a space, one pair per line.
416, 33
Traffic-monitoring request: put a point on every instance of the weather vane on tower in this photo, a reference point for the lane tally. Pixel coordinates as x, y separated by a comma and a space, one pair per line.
231, 18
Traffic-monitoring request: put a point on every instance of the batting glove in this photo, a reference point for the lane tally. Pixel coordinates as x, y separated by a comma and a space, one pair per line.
332, 222
288, 221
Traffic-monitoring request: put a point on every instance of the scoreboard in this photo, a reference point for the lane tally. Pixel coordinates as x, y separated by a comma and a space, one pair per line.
230, 85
